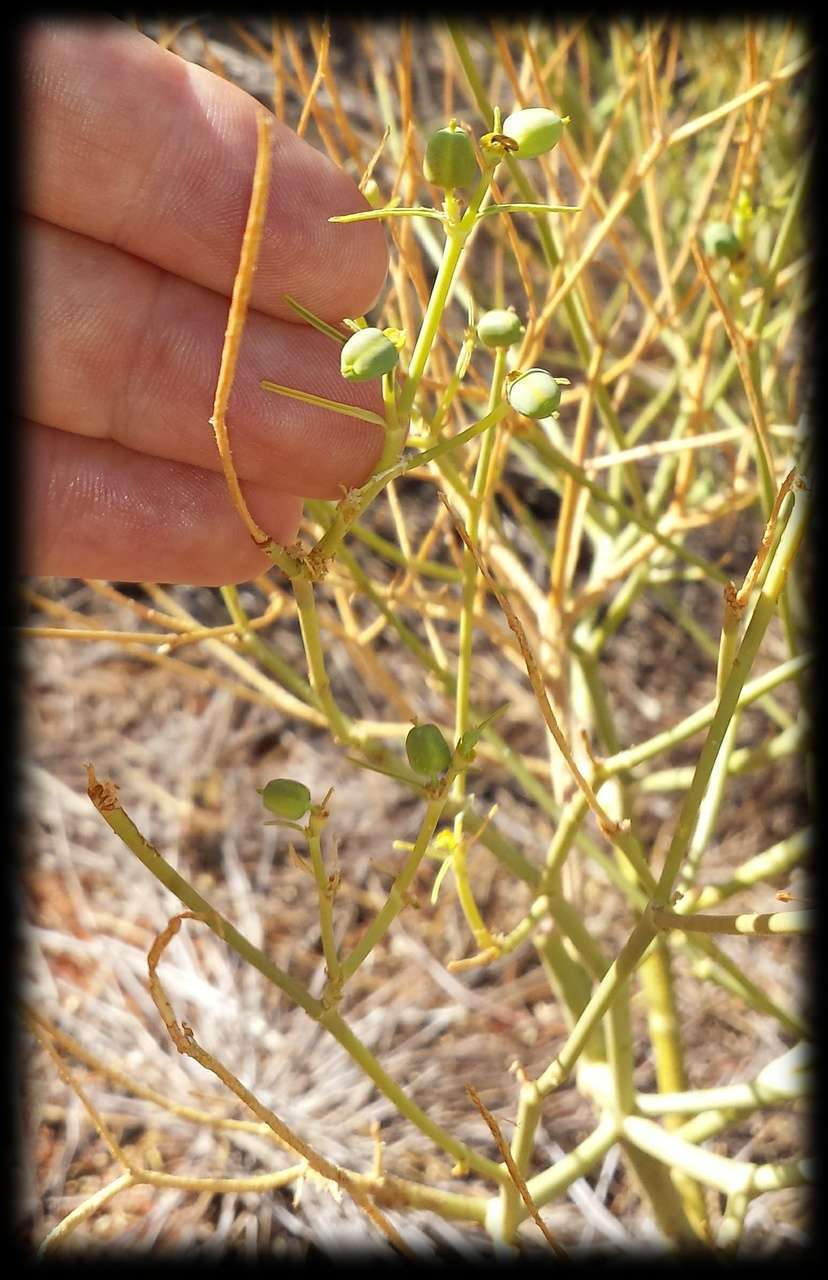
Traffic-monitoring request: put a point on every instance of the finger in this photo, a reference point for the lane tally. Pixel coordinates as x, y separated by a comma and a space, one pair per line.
131, 145
118, 348
93, 509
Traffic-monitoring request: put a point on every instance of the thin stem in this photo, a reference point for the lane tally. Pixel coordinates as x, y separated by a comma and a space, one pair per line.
390, 212
573, 307
335, 406
397, 894
466, 629
527, 206
751, 692
352, 507
186, 1043
768, 865
725, 1174
465, 896
729, 699
554, 1181
235, 321
104, 797
325, 886
756, 924
264, 652
85, 1210
457, 234
314, 652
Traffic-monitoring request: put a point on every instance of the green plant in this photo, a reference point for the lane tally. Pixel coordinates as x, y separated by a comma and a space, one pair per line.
449, 159
500, 328
427, 750
721, 241
368, 354
534, 393
536, 130
672, 431
286, 798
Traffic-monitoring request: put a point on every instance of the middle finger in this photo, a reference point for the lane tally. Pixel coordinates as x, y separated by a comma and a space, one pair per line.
117, 348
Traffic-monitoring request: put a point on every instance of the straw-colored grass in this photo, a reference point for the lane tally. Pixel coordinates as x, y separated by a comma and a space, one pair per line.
522, 1056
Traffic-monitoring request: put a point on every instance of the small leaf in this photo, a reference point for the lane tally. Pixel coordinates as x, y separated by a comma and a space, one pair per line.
315, 321
471, 737
390, 211
439, 878
529, 208
350, 410
402, 775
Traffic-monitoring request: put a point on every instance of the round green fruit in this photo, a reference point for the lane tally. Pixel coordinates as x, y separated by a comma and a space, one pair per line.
427, 750
721, 241
500, 329
286, 798
368, 354
449, 158
535, 393
536, 130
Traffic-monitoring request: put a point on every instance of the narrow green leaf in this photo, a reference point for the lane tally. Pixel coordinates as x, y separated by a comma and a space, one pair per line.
529, 208
350, 410
389, 212
321, 325
408, 777
471, 738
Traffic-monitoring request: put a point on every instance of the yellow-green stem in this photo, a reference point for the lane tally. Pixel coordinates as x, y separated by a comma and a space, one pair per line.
465, 895
657, 983
729, 700
325, 889
457, 234
265, 652
398, 891
125, 829
312, 640
466, 630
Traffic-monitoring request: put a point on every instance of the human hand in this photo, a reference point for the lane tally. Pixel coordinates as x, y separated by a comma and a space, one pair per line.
136, 188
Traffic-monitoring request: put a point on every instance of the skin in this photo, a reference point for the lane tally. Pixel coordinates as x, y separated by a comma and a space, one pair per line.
135, 194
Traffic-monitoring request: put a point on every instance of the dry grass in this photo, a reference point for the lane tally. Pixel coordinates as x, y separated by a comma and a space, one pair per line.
189, 760
188, 747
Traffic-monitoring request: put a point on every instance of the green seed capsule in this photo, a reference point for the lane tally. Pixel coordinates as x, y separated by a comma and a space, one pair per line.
721, 241
536, 131
535, 393
449, 158
500, 329
286, 798
368, 354
427, 750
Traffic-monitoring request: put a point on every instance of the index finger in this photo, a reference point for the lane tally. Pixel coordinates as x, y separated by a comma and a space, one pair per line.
133, 146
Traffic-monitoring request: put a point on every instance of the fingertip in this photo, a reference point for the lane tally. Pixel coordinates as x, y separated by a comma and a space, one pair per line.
364, 248
280, 515
335, 269
138, 148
